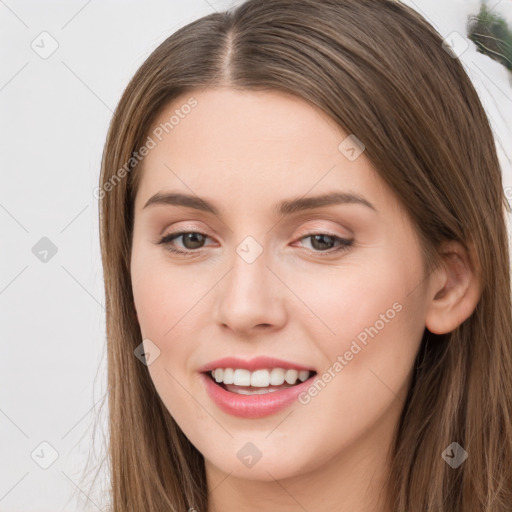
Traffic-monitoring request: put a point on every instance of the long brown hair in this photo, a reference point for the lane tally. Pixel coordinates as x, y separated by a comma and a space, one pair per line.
380, 71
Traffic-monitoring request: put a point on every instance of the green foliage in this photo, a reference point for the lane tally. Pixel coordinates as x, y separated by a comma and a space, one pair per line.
492, 36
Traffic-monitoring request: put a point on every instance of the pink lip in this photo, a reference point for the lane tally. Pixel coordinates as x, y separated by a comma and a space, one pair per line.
252, 406
258, 363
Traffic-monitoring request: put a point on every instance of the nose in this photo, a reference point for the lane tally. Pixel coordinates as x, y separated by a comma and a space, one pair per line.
250, 297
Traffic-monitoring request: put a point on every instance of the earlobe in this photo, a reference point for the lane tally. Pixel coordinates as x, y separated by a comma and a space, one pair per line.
455, 289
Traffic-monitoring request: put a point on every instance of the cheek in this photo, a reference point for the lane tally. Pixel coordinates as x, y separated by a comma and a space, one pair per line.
353, 297
372, 315
172, 309
367, 362
166, 297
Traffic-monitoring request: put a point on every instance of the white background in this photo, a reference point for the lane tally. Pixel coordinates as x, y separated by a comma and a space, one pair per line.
54, 116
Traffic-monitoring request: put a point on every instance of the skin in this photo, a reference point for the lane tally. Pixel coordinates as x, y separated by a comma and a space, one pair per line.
245, 152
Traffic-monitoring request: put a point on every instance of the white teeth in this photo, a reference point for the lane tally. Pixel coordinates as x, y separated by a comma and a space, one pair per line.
229, 375
303, 375
261, 391
242, 377
277, 376
291, 376
259, 378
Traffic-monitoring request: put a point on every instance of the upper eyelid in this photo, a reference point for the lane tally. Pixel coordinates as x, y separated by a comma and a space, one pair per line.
302, 232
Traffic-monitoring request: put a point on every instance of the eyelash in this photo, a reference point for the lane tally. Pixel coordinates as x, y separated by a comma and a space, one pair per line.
166, 241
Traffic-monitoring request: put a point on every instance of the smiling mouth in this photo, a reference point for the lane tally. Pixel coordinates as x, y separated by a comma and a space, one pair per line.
258, 382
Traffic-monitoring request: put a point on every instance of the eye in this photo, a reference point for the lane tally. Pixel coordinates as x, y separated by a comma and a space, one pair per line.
322, 243
191, 239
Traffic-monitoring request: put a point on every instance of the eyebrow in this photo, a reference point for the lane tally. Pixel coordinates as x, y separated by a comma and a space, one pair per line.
286, 207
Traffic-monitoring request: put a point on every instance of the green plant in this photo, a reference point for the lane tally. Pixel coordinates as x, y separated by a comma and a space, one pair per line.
492, 36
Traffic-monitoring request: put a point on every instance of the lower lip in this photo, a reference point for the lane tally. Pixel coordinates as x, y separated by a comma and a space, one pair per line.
252, 406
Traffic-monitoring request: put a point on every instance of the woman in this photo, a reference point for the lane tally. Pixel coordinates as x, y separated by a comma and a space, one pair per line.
306, 269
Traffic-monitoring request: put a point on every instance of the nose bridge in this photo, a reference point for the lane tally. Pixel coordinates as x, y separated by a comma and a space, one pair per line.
248, 295
248, 279
250, 270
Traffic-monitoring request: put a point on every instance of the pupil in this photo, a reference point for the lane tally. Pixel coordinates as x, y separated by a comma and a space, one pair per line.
320, 237
190, 237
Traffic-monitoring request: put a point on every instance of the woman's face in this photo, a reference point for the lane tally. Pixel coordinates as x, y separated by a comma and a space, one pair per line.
332, 287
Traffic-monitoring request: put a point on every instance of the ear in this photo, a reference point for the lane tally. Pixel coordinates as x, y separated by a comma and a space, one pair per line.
455, 289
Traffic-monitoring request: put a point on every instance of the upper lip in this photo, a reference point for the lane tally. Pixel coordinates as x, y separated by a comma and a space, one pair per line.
256, 363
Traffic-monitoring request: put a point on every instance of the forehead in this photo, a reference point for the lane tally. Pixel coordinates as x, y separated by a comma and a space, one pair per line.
248, 145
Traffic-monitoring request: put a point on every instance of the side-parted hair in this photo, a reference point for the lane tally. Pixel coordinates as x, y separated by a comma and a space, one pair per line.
379, 70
